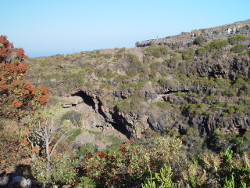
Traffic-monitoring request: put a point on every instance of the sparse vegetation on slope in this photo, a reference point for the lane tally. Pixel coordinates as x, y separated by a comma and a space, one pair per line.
180, 107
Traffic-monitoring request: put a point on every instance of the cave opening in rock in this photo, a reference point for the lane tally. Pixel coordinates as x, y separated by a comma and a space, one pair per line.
86, 98
169, 92
120, 124
122, 129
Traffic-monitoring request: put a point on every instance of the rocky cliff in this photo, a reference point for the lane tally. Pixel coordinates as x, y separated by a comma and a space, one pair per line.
197, 79
187, 38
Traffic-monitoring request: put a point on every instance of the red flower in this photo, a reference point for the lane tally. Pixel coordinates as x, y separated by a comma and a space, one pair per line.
42, 99
25, 92
19, 52
88, 156
16, 104
122, 148
4, 86
16, 83
101, 154
43, 89
22, 67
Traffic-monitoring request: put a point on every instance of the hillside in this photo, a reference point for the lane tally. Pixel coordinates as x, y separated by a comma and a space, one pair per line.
161, 84
172, 112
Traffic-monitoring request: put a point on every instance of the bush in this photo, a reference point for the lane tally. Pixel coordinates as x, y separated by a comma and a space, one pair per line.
239, 48
219, 142
190, 108
86, 182
88, 148
73, 116
130, 104
200, 40
188, 54
63, 171
236, 39
135, 65
131, 164
218, 44
156, 51
200, 51
230, 92
162, 161
19, 96
162, 179
167, 83
248, 52
14, 146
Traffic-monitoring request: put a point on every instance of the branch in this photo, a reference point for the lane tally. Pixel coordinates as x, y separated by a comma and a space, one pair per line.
62, 137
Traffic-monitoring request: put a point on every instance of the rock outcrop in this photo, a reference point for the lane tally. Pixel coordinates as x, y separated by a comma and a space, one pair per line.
187, 38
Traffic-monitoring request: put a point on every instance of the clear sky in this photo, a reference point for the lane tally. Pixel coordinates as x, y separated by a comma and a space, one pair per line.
48, 27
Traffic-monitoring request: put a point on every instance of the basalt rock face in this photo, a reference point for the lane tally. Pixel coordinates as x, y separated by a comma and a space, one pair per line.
201, 85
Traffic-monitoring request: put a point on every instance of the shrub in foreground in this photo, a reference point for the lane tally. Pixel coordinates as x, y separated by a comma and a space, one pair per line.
162, 161
18, 96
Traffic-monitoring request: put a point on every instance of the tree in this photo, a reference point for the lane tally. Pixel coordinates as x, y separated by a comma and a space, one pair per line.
47, 134
18, 97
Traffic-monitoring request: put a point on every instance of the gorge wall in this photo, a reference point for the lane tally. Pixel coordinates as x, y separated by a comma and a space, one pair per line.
160, 84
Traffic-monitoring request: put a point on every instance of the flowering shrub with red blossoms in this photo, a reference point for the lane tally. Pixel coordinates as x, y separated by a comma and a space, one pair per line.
17, 96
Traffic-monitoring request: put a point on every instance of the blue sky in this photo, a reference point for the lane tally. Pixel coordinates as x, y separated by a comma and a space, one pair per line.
48, 27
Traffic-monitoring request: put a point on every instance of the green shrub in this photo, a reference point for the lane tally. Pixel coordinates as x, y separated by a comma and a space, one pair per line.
135, 65
200, 40
132, 163
98, 54
161, 179
239, 110
167, 83
219, 142
188, 54
244, 102
194, 108
236, 39
176, 45
248, 52
218, 44
130, 104
63, 171
172, 62
162, 105
88, 148
156, 51
230, 92
239, 48
73, 116
245, 89
154, 65
201, 51
86, 182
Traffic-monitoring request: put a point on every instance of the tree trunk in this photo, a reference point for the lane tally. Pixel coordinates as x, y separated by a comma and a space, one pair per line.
48, 178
